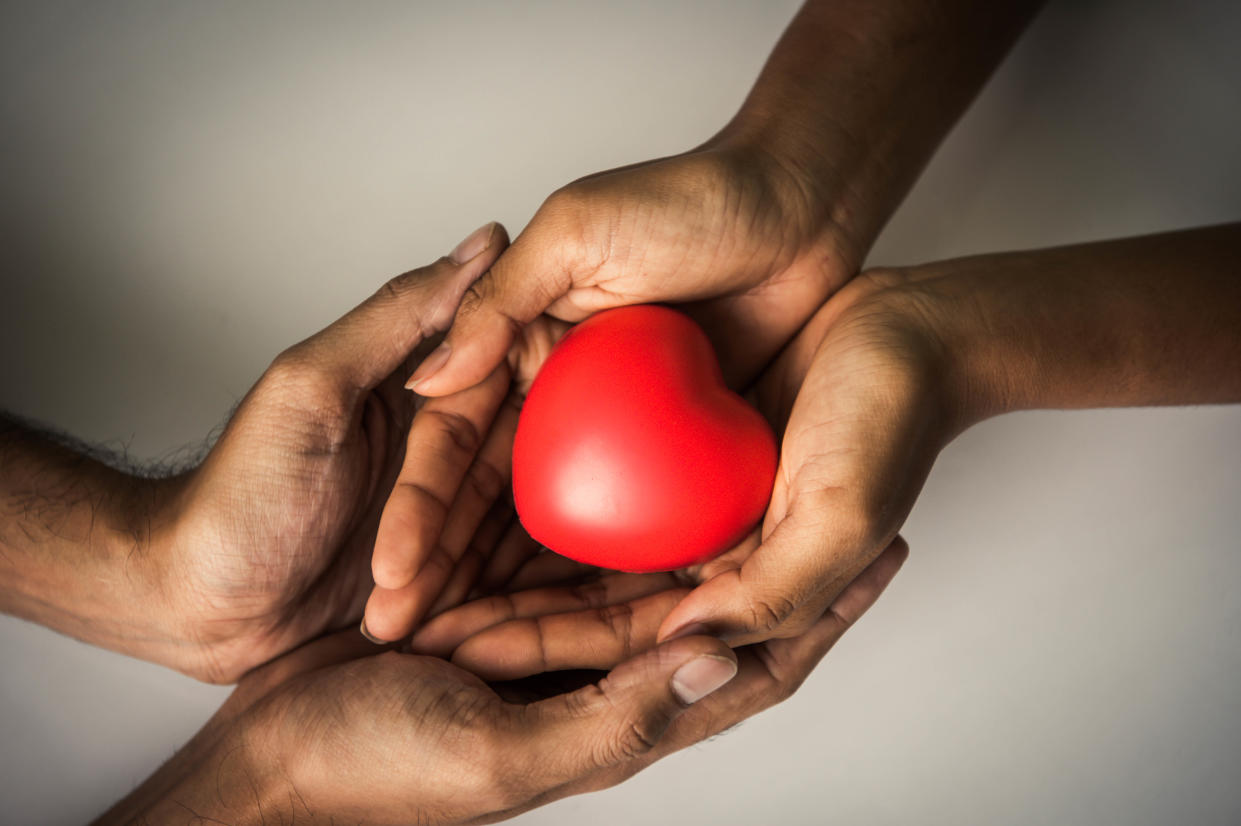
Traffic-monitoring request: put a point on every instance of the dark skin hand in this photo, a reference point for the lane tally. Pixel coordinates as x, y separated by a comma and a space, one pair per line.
333, 733
267, 543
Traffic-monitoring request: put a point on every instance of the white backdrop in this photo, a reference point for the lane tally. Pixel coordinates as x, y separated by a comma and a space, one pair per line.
190, 187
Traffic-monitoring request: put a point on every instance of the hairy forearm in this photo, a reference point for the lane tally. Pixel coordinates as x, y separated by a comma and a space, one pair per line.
1151, 320
858, 93
77, 545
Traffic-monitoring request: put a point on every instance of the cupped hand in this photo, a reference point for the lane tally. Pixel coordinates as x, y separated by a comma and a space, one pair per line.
868, 409
326, 734
268, 541
729, 228
430, 550
859, 398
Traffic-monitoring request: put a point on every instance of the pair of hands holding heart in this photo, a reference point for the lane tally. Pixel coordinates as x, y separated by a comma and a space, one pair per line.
804, 342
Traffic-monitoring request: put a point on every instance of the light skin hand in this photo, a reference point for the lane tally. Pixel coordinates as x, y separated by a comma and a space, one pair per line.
327, 735
882, 378
267, 543
909, 359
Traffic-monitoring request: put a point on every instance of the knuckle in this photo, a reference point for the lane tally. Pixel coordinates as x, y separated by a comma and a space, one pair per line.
394, 289
636, 737
475, 296
485, 480
293, 366
618, 619
635, 733
480, 297
459, 431
587, 702
768, 612
563, 202
424, 506
294, 381
590, 594
403, 291
439, 563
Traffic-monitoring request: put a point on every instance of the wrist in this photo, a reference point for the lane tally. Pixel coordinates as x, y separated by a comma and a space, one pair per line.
194, 639
813, 204
942, 329
132, 607
80, 545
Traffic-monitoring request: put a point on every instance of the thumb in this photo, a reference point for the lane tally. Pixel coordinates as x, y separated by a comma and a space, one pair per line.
372, 340
622, 718
527, 279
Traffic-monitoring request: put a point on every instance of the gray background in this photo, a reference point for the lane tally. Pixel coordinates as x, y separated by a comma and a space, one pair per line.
188, 188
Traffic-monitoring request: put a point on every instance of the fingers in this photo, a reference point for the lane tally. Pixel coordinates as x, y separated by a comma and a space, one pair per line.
484, 482
792, 660
518, 287
362, 348
764, 680
619, 721
507, 638
443, 440
440, 636
598, 638
427, 522
787, 582
514, 550
472, 562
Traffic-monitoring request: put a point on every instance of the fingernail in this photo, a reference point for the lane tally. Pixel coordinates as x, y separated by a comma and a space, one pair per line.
430, 366
369, 635
688, 630
474, 244
699, 677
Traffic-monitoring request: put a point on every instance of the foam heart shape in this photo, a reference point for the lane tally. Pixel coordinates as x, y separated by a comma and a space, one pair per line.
632, 454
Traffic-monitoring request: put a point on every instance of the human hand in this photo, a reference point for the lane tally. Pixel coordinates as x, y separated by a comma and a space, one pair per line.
325, 734
858, 399
757, 226
903, 360
266, 544
865, 411
430, 551
728, 229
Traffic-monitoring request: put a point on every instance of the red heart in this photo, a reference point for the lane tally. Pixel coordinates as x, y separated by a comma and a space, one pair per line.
632, 454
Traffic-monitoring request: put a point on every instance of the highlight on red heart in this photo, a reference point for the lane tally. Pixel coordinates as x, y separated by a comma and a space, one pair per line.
632, 454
